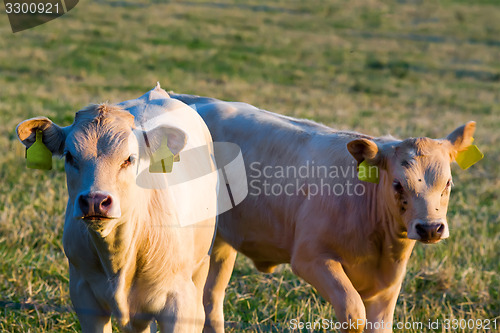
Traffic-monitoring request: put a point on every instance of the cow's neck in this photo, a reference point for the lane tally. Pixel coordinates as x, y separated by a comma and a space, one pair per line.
121, 250
393, 241
158, 235
117, 251
384, 248
147, 222
116, 247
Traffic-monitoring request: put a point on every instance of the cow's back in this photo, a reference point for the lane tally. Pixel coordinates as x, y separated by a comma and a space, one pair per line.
263, 226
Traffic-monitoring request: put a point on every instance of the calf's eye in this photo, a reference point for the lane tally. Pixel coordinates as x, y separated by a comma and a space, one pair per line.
396, 185
449, 184
70, 159
128, 162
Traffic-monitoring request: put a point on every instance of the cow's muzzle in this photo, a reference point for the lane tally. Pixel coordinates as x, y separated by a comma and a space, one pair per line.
97, 205
428, 232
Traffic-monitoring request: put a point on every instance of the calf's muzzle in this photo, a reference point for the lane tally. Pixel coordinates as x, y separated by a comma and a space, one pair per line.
97, 205
430, 231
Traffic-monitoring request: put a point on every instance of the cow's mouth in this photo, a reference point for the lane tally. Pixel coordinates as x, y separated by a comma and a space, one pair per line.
429, 241
100, 224
94, 218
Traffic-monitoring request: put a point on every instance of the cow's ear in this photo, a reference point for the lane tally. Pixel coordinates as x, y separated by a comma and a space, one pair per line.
52, 135
176, 138
461, 138
364, 149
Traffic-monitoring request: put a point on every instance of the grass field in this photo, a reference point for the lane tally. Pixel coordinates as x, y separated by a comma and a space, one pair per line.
409, 68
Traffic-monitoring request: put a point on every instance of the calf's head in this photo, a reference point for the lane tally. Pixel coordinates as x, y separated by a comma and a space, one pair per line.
416, 178
100, 150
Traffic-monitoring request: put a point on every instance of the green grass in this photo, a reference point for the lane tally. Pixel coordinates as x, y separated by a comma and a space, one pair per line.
377, 67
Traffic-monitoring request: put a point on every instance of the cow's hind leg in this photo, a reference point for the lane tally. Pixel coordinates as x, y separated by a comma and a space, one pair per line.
221, 267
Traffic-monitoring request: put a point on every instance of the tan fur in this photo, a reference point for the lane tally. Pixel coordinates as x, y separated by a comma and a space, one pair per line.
352, 249
139, 266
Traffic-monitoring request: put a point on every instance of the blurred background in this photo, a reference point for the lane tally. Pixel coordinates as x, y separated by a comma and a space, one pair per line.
408, 68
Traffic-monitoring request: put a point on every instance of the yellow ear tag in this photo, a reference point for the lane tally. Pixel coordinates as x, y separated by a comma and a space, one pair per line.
38, 156
468, 157
162, 160
368, 173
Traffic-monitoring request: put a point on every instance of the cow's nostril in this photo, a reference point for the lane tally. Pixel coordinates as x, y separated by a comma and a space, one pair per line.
440, 229
420, 230
84, 203
106, 202
102, 203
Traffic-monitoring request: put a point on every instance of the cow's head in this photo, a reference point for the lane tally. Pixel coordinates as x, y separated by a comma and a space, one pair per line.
417, 178
100, 150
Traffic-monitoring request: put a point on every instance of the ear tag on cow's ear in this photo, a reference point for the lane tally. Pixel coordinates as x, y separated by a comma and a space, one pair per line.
465, 159
38, 156
162, 160
368, 173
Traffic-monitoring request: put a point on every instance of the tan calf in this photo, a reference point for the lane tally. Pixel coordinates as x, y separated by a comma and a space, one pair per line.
129, 255
353, 247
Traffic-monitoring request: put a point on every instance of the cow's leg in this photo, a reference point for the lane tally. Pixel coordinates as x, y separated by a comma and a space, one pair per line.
199, 279
221, 266
328, 277
180, 312
93, 318
381, 310
141, 324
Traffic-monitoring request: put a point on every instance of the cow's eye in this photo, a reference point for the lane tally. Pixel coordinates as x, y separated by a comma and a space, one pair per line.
449, 184
128, 162
70, 159
396, 185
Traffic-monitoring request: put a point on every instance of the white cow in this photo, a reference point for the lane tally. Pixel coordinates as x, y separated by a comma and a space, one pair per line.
350, 239
137, 250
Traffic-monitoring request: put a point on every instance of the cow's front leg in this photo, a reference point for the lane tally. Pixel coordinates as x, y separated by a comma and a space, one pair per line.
141, 324
380, 311
221, 266
199, 279
93, 318
326, 274
180, 314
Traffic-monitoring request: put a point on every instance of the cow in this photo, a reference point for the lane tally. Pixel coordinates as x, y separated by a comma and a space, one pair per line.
353, 247
131, 253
